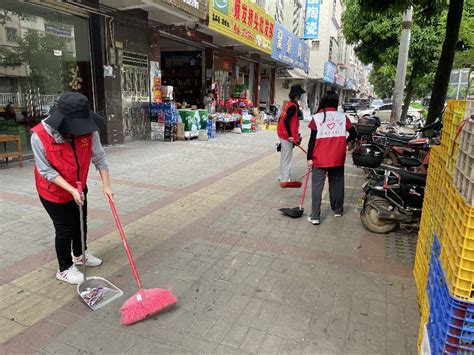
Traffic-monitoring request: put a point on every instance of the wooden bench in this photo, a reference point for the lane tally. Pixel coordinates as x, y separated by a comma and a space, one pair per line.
4, 138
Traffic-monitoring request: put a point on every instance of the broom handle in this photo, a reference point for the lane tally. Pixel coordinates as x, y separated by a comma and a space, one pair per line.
305, 187
304, 151
125, 244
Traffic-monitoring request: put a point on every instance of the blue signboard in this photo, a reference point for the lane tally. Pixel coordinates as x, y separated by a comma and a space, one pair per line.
350, 84
330, 70
311, 28
289, 48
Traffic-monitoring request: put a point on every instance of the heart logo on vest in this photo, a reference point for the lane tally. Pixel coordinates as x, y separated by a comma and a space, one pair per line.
331, 125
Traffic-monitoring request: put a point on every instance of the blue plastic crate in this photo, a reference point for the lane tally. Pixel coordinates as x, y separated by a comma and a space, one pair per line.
451, 321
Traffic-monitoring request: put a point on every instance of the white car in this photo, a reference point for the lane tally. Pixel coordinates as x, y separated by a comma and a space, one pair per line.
384, 112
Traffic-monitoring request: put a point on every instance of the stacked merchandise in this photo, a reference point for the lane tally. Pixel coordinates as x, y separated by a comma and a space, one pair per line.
190, 120
444, 263
164, 117
246, 122
211, 128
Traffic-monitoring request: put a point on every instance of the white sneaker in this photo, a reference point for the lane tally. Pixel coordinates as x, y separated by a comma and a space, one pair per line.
91, 260
314, 222
338, 215
71, 276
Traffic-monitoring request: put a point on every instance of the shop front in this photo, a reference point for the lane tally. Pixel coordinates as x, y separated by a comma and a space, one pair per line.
44, 51
242, 71
292, 55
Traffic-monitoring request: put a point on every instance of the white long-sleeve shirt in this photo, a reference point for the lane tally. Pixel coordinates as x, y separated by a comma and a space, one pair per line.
44, 166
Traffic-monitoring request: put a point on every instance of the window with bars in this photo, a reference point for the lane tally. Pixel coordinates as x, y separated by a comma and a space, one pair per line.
11, 33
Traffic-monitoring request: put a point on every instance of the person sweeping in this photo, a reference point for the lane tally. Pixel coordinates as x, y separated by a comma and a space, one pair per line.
64, 144
288, 131
327, 154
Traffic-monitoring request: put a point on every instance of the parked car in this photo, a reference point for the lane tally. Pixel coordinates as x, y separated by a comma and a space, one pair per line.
385, 111
355, 104
376, 103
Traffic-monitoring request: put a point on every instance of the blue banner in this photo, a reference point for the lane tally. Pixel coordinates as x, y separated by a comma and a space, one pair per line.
289, 48
330, 70
311, 28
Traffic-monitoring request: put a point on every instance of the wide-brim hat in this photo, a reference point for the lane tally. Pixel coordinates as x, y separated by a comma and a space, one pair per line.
72, 114
296, 90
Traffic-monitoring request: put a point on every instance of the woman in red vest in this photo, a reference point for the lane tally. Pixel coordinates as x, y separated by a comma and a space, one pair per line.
288, 131
63, 146
327, 154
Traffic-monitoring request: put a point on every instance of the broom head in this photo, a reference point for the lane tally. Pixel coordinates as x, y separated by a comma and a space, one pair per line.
146, 303
291, 184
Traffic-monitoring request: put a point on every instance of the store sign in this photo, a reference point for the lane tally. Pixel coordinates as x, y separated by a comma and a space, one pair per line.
329, 72
311, 28
242, 20
349, 84
340, 79
58, 31
289, 48
194, 7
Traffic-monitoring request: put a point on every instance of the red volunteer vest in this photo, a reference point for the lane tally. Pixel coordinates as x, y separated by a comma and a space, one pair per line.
330, 148
62, 158
294, 124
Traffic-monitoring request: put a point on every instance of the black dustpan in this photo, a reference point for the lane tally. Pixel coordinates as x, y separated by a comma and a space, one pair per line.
297, 212
293, 212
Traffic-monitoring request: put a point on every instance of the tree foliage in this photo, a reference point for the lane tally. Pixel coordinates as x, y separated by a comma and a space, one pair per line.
376, 38
465, 49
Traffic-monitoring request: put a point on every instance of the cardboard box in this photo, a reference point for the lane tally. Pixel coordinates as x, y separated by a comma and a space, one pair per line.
180, 131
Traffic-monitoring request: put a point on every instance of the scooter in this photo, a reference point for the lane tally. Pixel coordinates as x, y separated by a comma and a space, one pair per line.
391, 200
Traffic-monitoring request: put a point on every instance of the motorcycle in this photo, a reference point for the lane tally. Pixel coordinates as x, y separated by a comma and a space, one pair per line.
392, 199
410, 151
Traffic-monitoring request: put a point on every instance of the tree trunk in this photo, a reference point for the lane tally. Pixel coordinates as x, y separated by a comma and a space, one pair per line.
445, 65
409, 92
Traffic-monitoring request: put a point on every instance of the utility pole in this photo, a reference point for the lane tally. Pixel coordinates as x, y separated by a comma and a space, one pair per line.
402, 66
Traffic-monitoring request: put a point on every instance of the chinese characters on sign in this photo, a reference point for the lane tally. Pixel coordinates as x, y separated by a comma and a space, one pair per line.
329, 72
243, 20
311, 30
290, 49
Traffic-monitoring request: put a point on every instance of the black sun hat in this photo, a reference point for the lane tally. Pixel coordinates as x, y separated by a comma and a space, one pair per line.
296, 90
72, 114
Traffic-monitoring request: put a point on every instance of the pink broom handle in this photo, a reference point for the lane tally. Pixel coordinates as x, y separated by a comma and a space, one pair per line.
305, 187
125, 244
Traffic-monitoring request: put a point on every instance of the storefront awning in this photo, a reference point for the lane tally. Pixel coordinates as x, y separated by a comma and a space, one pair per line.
292, 74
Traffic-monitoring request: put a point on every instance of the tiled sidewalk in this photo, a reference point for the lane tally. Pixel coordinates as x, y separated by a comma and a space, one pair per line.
203, 219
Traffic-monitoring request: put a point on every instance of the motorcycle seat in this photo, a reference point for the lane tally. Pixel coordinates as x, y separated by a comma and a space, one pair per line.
408, 162
407, 177
398, 138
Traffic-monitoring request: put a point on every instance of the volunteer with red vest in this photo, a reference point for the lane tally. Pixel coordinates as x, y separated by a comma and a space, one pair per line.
288, 131
63, 146
327, 154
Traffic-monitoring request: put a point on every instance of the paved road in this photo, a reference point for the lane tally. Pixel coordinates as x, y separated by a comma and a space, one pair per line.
202, 218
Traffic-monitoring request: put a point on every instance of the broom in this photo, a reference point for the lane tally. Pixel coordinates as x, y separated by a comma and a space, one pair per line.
294, 184
145, 302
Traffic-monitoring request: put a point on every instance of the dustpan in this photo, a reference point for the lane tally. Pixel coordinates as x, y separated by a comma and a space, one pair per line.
297, 212
96, 292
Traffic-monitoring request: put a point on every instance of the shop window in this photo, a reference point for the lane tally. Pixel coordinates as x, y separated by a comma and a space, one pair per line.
44, 53
11, 34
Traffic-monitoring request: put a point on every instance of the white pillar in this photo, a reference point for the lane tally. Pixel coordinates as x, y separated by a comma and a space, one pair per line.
402, 66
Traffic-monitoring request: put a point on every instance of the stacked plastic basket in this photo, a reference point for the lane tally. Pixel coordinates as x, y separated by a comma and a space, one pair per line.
444, 263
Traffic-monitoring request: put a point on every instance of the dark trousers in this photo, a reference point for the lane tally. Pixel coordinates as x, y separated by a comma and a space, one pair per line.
65, 218
336, 189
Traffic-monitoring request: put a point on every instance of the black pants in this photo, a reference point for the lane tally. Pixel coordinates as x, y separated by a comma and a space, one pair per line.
336, 189
65, 218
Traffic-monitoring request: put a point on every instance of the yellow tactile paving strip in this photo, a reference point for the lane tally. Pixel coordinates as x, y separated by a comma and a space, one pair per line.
35, 295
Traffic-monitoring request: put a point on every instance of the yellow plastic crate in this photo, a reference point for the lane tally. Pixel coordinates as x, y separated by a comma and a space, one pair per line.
424, 316
453, 116
457, 252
